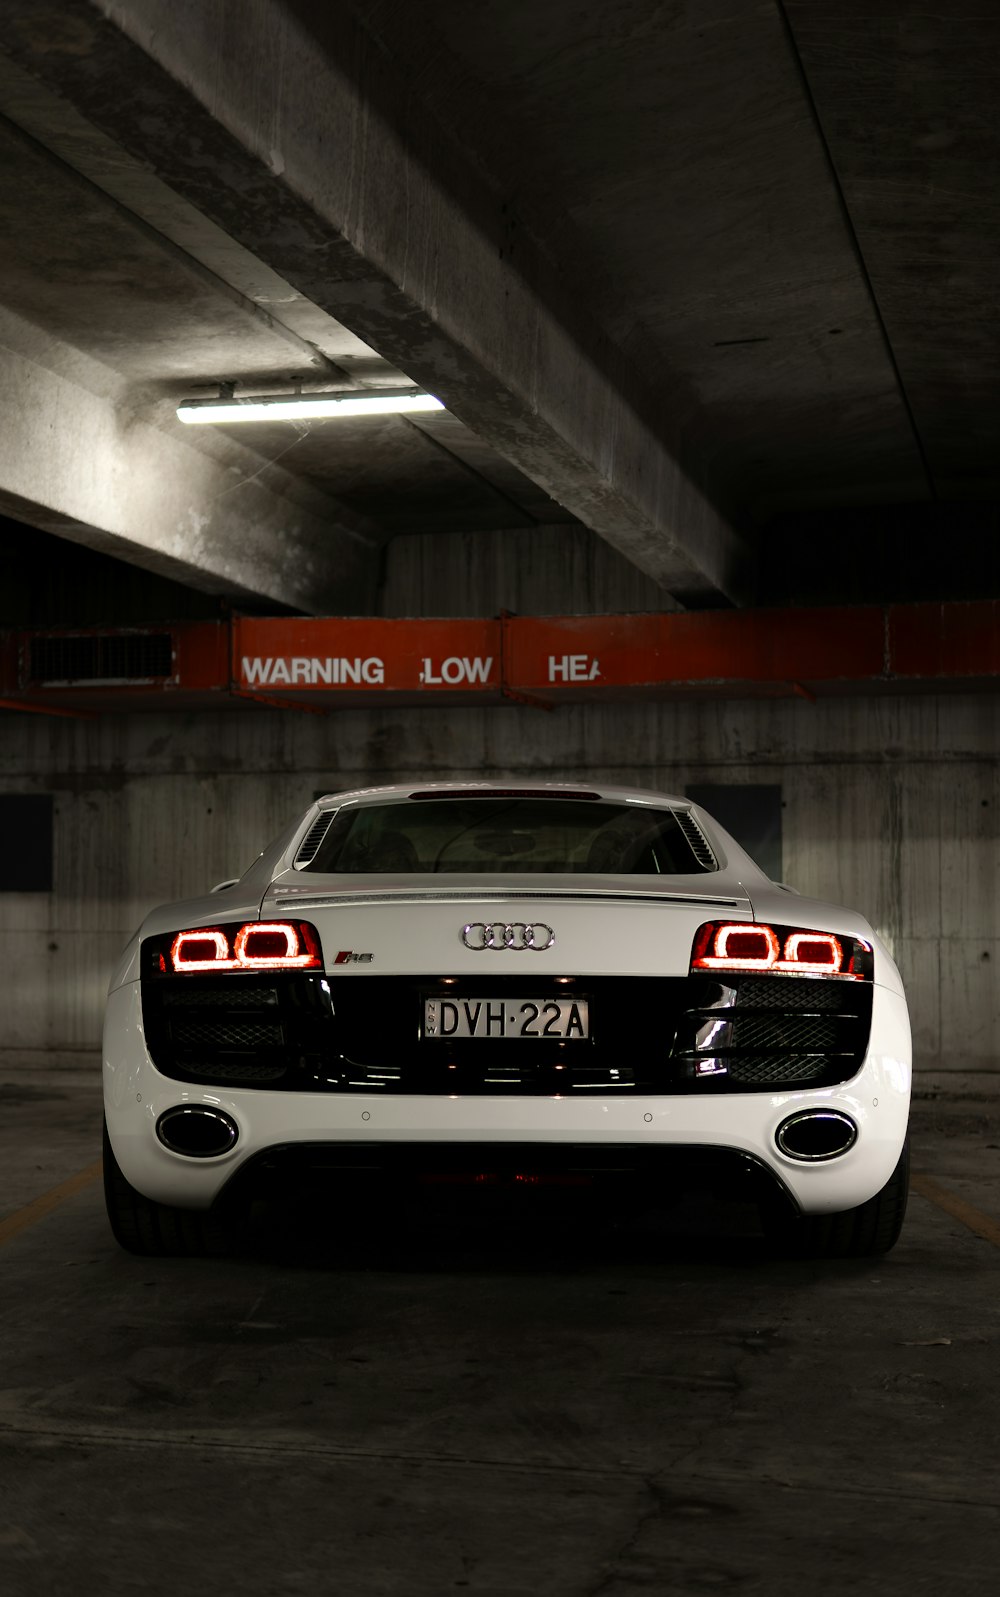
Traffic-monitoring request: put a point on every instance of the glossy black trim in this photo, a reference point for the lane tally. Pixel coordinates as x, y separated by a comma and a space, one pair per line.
300, 1031
504, 792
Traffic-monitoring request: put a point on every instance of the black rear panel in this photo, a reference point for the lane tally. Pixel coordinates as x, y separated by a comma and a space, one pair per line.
298, 1031
398, 1182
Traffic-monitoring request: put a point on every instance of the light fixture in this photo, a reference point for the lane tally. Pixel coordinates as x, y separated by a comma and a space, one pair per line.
306, 407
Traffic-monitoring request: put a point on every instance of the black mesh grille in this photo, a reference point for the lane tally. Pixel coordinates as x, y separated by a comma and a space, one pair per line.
238, 995
243, 1034
815, 1034
799, 994
771, 1032
777, 1070
238, 1072
125, 657
236, 1028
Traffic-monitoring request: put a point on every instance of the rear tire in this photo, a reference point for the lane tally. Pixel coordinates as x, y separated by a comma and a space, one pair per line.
155, 1229
870, 1229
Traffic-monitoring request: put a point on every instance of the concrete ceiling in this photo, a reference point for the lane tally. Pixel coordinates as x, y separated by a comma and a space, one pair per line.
714, 280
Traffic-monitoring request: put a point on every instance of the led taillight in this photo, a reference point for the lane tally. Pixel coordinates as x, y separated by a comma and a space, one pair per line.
815, 951
721, 946
205, 949
257, 945
276, 945
740, 946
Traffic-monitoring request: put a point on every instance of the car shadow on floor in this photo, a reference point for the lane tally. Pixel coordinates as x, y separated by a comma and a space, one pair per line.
477, 1237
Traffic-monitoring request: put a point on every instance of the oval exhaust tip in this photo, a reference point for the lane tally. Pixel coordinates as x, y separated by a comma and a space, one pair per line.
815, 1134
197, 1131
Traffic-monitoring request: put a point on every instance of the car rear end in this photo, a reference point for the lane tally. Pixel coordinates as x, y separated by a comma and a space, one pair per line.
511, 1027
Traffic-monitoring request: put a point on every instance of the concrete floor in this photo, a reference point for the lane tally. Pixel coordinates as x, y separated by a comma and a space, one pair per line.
664, 1409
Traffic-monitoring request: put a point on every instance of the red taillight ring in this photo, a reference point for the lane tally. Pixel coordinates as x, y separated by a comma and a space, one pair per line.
795, 941
291, 959
220, 960
721, 959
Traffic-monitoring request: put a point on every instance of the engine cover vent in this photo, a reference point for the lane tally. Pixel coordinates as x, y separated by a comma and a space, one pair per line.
700, 847
309, 846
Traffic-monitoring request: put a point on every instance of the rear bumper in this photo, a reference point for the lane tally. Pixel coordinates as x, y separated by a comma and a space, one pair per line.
876, 1099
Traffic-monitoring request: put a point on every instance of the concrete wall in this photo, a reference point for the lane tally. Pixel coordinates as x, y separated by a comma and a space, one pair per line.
549, 570
891, 805
542, 570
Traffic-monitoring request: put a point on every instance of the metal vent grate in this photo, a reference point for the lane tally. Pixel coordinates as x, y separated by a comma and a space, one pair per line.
309, 846
777, 1070
246, 1033
814, 1034
226, 994
697, 841
802, 995
242, 1072
91, 657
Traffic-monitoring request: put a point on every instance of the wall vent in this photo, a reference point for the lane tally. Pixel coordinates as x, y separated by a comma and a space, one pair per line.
93, 657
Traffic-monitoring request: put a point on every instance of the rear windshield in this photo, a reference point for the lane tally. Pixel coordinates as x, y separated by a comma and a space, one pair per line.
506, 835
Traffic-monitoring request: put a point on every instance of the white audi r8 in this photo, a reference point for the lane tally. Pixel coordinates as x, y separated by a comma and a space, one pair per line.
513, 986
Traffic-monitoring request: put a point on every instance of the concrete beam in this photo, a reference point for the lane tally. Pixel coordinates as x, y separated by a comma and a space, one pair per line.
539, 570
376, 217
77, 459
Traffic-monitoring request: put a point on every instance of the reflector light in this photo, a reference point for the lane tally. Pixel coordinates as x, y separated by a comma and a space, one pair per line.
779, 950
257, 945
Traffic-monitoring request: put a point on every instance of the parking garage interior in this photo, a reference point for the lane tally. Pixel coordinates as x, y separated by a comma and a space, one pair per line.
707, 295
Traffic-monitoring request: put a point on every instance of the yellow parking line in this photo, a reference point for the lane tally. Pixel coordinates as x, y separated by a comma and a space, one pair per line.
957, 1207
40, 1207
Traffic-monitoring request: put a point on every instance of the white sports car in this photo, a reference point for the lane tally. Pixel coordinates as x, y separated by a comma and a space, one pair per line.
514, 986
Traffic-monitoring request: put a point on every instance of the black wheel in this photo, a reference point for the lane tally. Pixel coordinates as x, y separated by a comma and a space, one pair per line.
142, 1226
871, 1228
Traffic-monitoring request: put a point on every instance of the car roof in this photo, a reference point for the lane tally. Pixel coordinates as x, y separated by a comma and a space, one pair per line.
511, 788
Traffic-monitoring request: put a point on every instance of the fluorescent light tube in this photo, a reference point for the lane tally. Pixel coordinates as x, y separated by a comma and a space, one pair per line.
305, 407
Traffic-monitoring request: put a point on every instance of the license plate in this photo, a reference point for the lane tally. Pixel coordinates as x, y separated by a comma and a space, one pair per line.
557, 1019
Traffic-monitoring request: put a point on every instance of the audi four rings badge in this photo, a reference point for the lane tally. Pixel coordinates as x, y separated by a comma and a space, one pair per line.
518, 936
